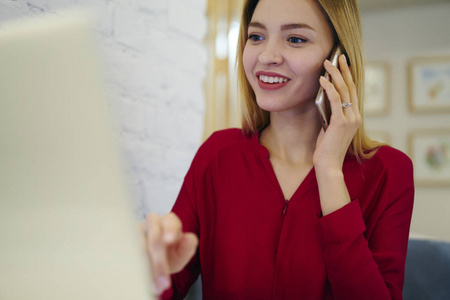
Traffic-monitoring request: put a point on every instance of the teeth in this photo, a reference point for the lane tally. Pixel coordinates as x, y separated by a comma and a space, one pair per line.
268, 79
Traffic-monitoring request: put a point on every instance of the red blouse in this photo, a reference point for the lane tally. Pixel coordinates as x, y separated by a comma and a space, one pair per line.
255, 245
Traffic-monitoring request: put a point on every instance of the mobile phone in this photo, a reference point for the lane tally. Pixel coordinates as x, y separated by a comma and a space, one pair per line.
322, 103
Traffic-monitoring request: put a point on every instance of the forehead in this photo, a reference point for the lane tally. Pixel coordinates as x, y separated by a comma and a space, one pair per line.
279, 12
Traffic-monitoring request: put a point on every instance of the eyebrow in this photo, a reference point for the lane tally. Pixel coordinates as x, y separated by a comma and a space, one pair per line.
283, 27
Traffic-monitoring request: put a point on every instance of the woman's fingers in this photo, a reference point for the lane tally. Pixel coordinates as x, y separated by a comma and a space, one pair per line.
338, 82
348, 78
168, 248
171, 228
337, 114
180, 246
157, 253
182, 252
342, 90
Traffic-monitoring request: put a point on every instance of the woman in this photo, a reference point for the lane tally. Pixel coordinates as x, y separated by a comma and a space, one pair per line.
283, 209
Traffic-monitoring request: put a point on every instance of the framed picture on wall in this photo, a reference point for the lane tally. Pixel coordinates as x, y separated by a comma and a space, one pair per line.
377, 88
429, 84
430, 152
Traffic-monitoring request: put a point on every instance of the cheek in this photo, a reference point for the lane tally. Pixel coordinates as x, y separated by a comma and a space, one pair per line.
310, 72
248, 59
310, 68
316, 71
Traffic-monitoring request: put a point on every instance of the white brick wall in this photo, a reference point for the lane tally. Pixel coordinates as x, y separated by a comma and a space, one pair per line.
155, 62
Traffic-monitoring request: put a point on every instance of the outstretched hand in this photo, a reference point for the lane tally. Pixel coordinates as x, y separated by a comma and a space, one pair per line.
168, 248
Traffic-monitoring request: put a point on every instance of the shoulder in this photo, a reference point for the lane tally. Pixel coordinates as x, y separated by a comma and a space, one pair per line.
392, 169
392, 160
382, 180
224, 138
384, 164
219, 141
386, 168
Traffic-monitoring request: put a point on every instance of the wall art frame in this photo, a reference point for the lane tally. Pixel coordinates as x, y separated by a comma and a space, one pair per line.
429, 84
430, 152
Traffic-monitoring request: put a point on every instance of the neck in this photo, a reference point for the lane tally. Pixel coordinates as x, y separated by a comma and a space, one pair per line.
292, 137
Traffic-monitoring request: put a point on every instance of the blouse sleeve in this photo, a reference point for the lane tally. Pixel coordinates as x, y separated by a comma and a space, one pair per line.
361, 267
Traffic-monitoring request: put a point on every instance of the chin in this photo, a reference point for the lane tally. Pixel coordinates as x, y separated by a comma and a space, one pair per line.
280, 105
304, 108
271, 105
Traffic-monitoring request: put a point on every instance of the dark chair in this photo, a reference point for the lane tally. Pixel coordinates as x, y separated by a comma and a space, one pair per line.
427, 273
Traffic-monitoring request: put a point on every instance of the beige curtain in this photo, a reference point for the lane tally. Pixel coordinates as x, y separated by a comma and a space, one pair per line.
220, 84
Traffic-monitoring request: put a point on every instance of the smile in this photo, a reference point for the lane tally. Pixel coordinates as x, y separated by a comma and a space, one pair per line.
269, 79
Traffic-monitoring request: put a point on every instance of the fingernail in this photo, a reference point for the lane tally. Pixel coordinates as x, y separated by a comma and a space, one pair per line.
328, 62
344, 58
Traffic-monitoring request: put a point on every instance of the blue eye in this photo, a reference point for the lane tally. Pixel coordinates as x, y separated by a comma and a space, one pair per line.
296, 40
255, 38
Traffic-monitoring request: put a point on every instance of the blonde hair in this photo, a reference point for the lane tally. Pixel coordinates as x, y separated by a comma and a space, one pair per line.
345, 20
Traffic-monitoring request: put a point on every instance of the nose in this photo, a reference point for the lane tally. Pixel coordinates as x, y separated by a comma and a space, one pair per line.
271, 54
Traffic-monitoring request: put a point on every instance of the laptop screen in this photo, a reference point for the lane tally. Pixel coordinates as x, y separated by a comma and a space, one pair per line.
66, 225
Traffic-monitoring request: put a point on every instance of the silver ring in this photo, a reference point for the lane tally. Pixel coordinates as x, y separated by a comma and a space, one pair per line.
345, 105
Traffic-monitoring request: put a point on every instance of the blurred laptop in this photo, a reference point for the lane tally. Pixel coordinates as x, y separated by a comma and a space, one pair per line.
67, 229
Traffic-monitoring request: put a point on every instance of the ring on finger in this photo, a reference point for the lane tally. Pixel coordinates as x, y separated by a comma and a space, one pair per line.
345, 105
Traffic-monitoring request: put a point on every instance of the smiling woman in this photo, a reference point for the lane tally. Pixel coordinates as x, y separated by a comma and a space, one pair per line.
347, 31
282, 209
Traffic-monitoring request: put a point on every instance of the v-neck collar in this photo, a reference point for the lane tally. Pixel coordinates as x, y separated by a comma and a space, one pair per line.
263, 153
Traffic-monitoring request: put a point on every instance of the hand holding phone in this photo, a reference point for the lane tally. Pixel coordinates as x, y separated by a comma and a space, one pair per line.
322, 103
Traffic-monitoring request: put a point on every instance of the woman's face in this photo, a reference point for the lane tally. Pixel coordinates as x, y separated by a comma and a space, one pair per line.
288, 41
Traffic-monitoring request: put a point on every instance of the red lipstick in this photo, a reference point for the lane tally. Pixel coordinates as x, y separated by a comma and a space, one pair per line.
278, 81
